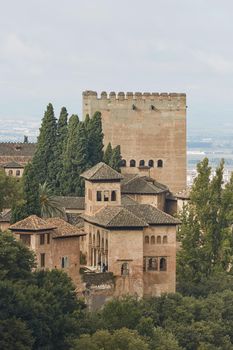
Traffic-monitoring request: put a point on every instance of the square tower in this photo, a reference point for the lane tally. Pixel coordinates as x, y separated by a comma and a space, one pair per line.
151, 130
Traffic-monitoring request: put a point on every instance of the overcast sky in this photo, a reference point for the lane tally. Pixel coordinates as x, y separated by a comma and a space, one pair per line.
52, 50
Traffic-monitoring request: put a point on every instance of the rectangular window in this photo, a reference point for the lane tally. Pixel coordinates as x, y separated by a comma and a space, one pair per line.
98, 196
42, 239
106, 196
64, 262
48, 238
42, 260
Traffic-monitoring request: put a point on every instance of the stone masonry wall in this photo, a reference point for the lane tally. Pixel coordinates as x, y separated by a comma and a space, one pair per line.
147, 127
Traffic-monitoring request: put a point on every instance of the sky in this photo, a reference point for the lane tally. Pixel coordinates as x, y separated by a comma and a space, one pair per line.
52, 50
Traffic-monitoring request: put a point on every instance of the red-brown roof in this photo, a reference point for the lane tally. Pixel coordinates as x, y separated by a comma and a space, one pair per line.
63, 228
32, 223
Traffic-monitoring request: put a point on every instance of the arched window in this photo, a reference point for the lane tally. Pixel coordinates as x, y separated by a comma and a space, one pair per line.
113, 196
98, 238
164, 239
90, 240
125, 269
158, 239
142, 163
160, 163
163, 264
152, 240
10, 172
17, 172
102, 244
98, 196
147, 240
123, 162
153, 264
151, 163
132, 163
93, 240
106, 244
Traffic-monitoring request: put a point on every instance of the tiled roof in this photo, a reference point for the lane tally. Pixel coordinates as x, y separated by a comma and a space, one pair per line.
17, 149
136, 184
13, 165
75, 219
113, 217
63, 228
5, 216
71, 202
100, 172
152, 215
32, 223
126, 200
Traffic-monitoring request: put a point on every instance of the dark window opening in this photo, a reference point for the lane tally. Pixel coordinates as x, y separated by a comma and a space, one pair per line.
64, 262
113, 196
123, 162
151, 163
48, 238
159, 239
42, 260
152, 240
17, 172
153, 264
132, 163
160, 163
10, 172
42, 239
142, 163
163, 264
147, 239
106, 196
98, 196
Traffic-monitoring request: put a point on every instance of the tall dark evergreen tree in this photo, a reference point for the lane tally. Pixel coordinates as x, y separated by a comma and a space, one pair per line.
115, 161
95, 139
75, 157
108, 154
31, 203
62, 134
44, 160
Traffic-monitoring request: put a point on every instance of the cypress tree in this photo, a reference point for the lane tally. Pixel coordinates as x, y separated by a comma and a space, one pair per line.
31, 203
115, 161
70, 178
108, 154
95, 139
44, 161
62, 133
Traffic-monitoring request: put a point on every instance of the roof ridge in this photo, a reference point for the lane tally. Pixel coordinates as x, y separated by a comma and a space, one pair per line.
160, 211
124, 208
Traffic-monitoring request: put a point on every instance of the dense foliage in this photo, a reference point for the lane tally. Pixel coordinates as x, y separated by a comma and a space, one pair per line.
10, 191
206, 233
65, 149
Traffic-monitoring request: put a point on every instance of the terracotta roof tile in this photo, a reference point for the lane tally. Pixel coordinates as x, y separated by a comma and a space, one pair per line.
17, 149
152, 215
32, 223
136, 184
71, 202
63, 228
111, 217
101, 171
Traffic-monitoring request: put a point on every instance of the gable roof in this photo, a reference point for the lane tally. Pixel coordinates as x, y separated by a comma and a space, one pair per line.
17, 149
63, 229
113, 217
32, 223
136, 184
100, 172
13, 165
152, 215
127, 200
69, 202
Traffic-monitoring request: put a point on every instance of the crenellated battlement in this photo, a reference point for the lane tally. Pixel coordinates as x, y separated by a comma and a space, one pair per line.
133, 96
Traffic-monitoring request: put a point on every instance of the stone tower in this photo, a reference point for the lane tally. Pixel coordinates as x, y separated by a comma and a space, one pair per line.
151, 130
